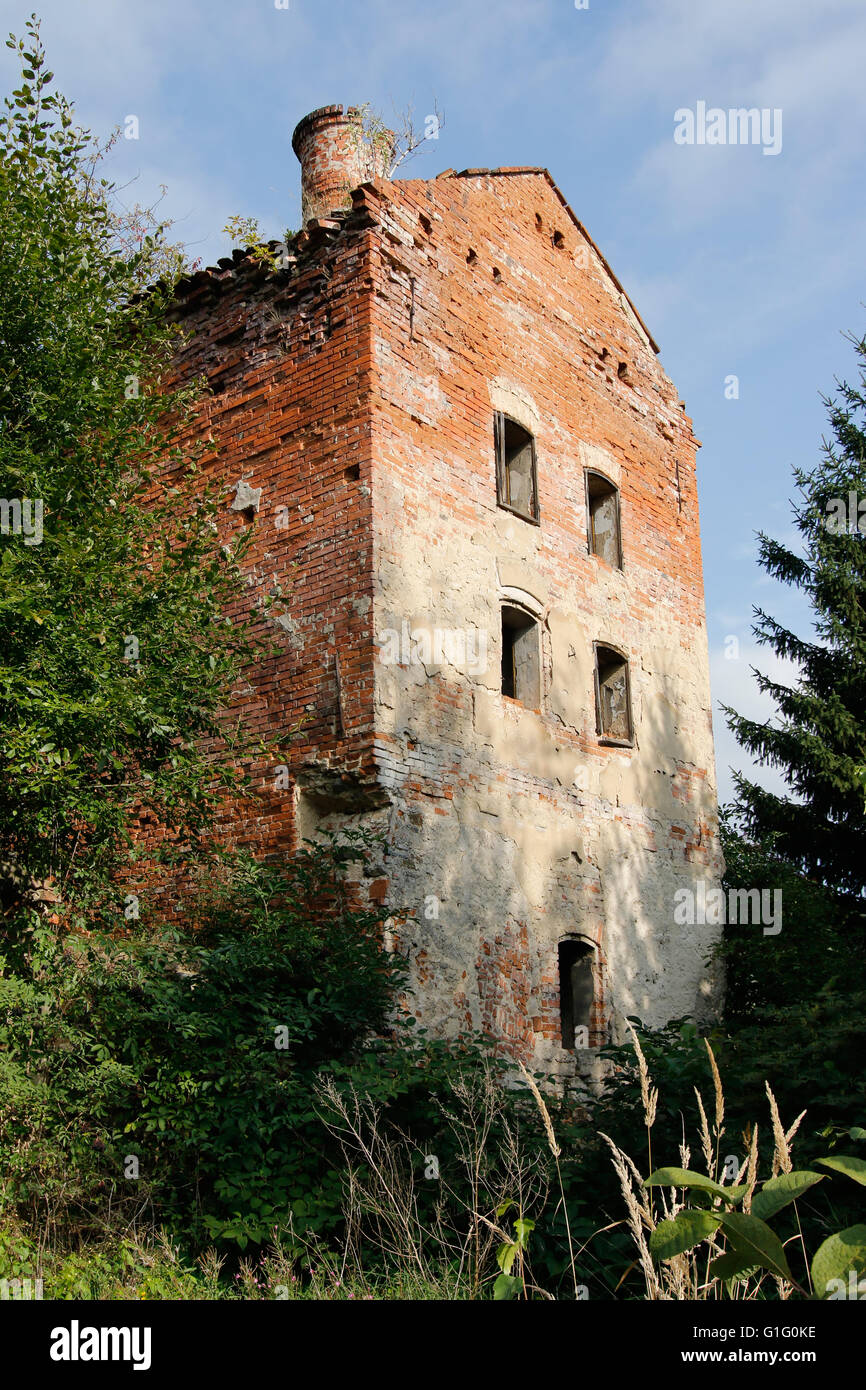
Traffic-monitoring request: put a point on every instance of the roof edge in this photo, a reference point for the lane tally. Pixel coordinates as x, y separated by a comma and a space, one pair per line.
520, 171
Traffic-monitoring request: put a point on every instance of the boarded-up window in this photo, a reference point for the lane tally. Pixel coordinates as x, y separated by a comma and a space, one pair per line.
521, 657
516, 481
576, 992
612, 695
602, 512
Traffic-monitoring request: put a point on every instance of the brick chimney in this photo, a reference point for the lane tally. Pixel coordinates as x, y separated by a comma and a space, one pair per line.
335, 158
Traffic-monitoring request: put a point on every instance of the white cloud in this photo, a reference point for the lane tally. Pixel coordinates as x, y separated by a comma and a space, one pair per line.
674, 44
781, 234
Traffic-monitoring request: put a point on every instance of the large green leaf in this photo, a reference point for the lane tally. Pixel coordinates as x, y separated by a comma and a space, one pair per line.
506, 1286
684, 1177
750, 1237
733, 1265
523, 1227
838, 1257
778, 1192
683, 1232
842, 1163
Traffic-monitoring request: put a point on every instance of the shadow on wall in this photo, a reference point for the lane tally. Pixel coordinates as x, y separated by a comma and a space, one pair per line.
497, 865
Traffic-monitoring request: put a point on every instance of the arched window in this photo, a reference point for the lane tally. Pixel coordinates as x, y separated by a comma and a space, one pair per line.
612, 696
602, 519
576, 991
516, 473
521, 656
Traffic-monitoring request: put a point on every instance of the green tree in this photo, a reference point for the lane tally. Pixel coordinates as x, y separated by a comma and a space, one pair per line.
795, 1000
818, 740
116, 658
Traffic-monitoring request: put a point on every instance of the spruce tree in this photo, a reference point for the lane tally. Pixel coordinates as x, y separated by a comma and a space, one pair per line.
817, 738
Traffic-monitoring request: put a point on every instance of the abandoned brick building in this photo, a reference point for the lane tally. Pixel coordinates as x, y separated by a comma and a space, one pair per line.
473, 487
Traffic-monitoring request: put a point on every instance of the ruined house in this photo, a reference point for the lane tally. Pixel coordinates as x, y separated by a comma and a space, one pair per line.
473, 497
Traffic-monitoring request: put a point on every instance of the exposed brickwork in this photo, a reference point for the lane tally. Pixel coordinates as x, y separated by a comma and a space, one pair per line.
357, 390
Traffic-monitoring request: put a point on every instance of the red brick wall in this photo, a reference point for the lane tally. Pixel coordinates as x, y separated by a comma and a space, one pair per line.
288, 359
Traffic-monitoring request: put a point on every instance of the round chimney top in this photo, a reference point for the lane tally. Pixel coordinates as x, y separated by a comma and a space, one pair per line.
336, 156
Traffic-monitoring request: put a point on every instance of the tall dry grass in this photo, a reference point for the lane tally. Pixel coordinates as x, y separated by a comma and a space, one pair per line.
687, 1276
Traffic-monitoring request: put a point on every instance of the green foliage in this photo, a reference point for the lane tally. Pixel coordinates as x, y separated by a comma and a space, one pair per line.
683, 1177
714, 1239
795, 1001
827, 1074
116, 658
814, 1051
754, 1244
751, 1243
778, 1192
839, 1257
841, 1163
686, 1230
819, 739
187, 1055
678, 1061
817, 947
193, 1052
512, 1249
245, 231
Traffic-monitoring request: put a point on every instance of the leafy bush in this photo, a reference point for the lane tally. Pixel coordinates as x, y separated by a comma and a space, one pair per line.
175, 1068
720, 1245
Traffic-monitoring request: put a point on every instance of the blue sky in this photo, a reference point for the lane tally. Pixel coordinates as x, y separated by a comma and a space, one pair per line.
740, 263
